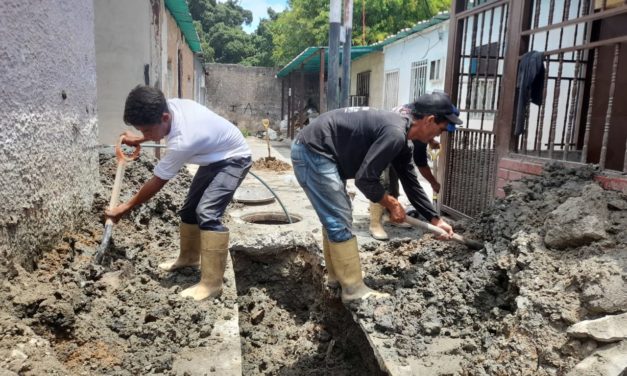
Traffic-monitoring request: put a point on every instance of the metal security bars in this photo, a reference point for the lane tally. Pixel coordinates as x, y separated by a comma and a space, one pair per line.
418, 83
477, 52
391, 90
583, 42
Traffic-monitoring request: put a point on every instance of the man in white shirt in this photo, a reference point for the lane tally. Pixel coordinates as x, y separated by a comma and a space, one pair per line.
194, 134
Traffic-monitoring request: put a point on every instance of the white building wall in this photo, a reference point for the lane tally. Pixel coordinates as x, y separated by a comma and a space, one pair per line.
429, 45
128, 37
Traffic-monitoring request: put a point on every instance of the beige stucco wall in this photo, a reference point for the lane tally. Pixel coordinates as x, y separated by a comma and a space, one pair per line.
48, 133
176, 42
374, 63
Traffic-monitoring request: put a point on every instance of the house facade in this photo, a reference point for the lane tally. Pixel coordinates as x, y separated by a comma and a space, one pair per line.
143, 42
578, 119
414, 65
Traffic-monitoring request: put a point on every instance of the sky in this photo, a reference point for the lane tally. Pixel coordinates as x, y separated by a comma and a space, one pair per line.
258, 7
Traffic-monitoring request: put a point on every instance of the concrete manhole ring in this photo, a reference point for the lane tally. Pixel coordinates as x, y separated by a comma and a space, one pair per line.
270, 218
253, 195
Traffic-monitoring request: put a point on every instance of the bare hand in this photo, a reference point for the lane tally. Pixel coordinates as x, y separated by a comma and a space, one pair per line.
131, 139
439, 222
436, 187
397, 212
116, 213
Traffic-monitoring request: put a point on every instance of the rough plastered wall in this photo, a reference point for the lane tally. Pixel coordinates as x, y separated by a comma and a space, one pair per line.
244, 95
48, 131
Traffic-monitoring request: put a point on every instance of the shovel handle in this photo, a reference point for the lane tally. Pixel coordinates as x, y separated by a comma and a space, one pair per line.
119, 174
438, 231
119, 154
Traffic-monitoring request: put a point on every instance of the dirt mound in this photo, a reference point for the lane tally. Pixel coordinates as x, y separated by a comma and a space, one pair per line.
271, 163
505, 310
123, 318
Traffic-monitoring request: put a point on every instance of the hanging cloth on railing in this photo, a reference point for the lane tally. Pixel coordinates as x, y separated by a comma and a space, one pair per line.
530, 84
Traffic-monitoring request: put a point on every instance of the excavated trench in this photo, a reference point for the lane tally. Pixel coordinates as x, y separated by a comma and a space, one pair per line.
554, 256
290, 324
69, 316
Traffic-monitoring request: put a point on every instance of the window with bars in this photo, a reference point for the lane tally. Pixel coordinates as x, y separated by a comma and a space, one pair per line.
391, 90
482, 98
363, 84
434, 73
418, 83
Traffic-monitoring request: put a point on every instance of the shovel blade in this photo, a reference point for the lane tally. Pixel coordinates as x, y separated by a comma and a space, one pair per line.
104, 245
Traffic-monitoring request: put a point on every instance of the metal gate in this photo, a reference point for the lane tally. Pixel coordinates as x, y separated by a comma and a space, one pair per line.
478, 34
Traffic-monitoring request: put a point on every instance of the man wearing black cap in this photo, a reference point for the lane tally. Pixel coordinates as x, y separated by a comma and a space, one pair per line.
360, 143
390, 180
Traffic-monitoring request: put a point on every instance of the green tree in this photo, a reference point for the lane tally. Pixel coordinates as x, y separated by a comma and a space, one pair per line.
262, 42
219, 27
305, 23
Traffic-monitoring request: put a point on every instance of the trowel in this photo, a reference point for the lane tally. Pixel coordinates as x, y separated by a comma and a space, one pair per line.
122, 159
472, 244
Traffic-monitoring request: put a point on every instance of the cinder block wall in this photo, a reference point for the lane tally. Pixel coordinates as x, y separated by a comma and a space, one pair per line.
48, 130
512, 169
244, 95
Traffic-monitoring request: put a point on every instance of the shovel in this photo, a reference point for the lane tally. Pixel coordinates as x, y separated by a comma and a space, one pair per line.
122, 159
472, 244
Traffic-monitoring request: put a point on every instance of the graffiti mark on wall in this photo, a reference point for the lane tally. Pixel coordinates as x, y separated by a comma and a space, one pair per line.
252, 110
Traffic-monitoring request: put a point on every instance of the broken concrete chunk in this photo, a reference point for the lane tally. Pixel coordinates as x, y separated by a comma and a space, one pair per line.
606, 329
606, 295
610, 360
578, 221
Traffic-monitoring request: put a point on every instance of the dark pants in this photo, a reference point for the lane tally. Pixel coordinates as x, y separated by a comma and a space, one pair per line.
211, 191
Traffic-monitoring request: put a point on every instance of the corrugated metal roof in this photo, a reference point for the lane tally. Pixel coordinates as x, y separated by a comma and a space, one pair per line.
184, 20
312, 64
419, 27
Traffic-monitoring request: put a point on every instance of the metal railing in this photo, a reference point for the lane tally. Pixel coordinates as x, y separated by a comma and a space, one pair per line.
358, 101
584, 60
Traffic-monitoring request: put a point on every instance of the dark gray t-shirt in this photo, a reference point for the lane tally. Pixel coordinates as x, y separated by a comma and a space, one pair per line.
363, 142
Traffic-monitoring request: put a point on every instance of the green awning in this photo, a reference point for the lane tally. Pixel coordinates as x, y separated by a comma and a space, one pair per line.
312, 63
184, 20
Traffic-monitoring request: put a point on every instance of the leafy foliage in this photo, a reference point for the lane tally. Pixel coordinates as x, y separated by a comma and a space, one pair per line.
282, 36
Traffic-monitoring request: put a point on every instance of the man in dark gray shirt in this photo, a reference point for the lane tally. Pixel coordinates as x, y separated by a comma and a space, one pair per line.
360, 143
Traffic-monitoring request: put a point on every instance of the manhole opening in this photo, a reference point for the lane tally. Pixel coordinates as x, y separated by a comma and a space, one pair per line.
270, 218
289, 322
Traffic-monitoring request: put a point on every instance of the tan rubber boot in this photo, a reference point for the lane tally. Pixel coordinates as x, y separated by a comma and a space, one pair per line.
345, 259
331, 277
376, 228
214, 249
189, 255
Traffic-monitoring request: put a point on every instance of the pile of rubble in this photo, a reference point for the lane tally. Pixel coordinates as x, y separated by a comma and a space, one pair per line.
554, 256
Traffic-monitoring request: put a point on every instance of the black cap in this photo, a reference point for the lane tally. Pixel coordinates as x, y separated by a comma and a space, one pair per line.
437, 104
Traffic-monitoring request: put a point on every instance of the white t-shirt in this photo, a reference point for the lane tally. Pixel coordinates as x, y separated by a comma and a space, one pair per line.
198, 136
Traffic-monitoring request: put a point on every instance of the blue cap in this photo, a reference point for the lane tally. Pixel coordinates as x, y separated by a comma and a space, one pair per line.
451, 126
